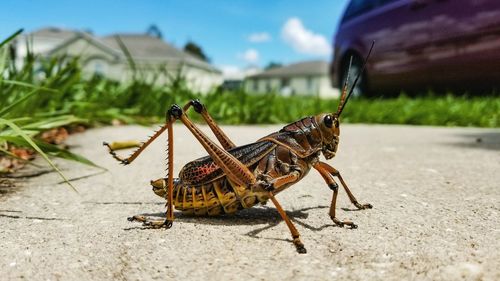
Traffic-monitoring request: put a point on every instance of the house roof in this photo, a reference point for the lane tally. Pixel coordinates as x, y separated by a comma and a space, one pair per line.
306, 68
146, 47
45, 39
97, 42
54, 33
142, 47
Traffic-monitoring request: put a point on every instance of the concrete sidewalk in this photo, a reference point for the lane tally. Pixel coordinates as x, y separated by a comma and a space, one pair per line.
435, 192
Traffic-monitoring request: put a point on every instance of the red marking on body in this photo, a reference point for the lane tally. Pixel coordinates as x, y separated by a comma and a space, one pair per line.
204, 170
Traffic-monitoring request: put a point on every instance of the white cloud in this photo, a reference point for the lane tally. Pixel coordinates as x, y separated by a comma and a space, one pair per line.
250, 56
304, 40
259, 37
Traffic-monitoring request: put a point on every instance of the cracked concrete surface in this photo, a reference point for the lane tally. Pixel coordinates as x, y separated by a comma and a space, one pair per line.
435, 191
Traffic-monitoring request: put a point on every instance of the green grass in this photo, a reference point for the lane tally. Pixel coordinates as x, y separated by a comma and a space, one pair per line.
428, 110
100, 100
237, 108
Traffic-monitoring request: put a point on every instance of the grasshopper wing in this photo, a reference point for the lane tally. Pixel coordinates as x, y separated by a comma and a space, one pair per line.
204, 170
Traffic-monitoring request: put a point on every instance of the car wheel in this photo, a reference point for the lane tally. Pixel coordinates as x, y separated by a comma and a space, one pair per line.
361, 88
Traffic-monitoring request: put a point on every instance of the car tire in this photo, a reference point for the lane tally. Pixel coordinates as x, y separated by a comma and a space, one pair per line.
361, 88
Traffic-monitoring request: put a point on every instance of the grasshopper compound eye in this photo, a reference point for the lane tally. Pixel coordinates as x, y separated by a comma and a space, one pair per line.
328, 121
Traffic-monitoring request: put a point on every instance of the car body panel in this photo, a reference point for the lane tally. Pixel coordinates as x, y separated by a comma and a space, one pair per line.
422, 44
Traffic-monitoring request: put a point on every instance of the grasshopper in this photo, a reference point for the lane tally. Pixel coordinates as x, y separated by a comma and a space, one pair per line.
232, 178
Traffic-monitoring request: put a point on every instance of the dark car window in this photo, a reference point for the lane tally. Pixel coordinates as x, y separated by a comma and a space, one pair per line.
383, 2
358, 7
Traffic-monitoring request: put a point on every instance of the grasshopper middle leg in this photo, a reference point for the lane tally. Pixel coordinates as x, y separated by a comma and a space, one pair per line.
274, 186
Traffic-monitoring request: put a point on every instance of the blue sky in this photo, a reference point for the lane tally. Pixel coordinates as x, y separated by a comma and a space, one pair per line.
233, 33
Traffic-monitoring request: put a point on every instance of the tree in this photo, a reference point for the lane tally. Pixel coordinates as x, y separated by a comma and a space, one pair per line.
272, 65
154, 30
195, 50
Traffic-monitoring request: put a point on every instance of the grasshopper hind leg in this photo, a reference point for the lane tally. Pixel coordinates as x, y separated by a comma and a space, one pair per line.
160, 188
151, 223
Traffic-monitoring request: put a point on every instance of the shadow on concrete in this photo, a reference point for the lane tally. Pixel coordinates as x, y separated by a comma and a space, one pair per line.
123, 203
252, 216
6, 187
17, 215
483, 140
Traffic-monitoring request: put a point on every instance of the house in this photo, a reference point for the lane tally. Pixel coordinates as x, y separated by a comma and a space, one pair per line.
152, 59
303, 78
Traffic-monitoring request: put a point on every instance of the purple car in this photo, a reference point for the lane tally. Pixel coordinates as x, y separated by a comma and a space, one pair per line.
419, 45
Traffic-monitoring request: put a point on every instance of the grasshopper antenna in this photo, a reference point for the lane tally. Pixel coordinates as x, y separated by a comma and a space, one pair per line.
344, 88
342, 104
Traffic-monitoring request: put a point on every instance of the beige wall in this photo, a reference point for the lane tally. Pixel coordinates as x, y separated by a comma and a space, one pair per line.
198, 80
326, 90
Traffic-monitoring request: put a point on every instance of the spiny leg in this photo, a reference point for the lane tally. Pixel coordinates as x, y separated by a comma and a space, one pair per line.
170, 201
126, 161
219, 134
173, 113
327, 176
335, 172
159, 184
198, 107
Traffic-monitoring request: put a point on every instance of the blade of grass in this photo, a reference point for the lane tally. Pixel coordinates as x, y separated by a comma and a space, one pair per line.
52, 150
125, 50
137, 74
54, 122
11, 37
13, 104
28, 85
20, 132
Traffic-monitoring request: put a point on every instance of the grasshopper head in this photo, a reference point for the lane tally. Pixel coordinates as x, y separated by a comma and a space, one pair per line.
330, 132
159, 187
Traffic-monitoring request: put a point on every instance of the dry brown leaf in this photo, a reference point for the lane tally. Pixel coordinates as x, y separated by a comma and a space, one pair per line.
55, 136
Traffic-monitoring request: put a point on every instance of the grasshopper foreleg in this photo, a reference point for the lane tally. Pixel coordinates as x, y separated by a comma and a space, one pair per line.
334, 172
327, 172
